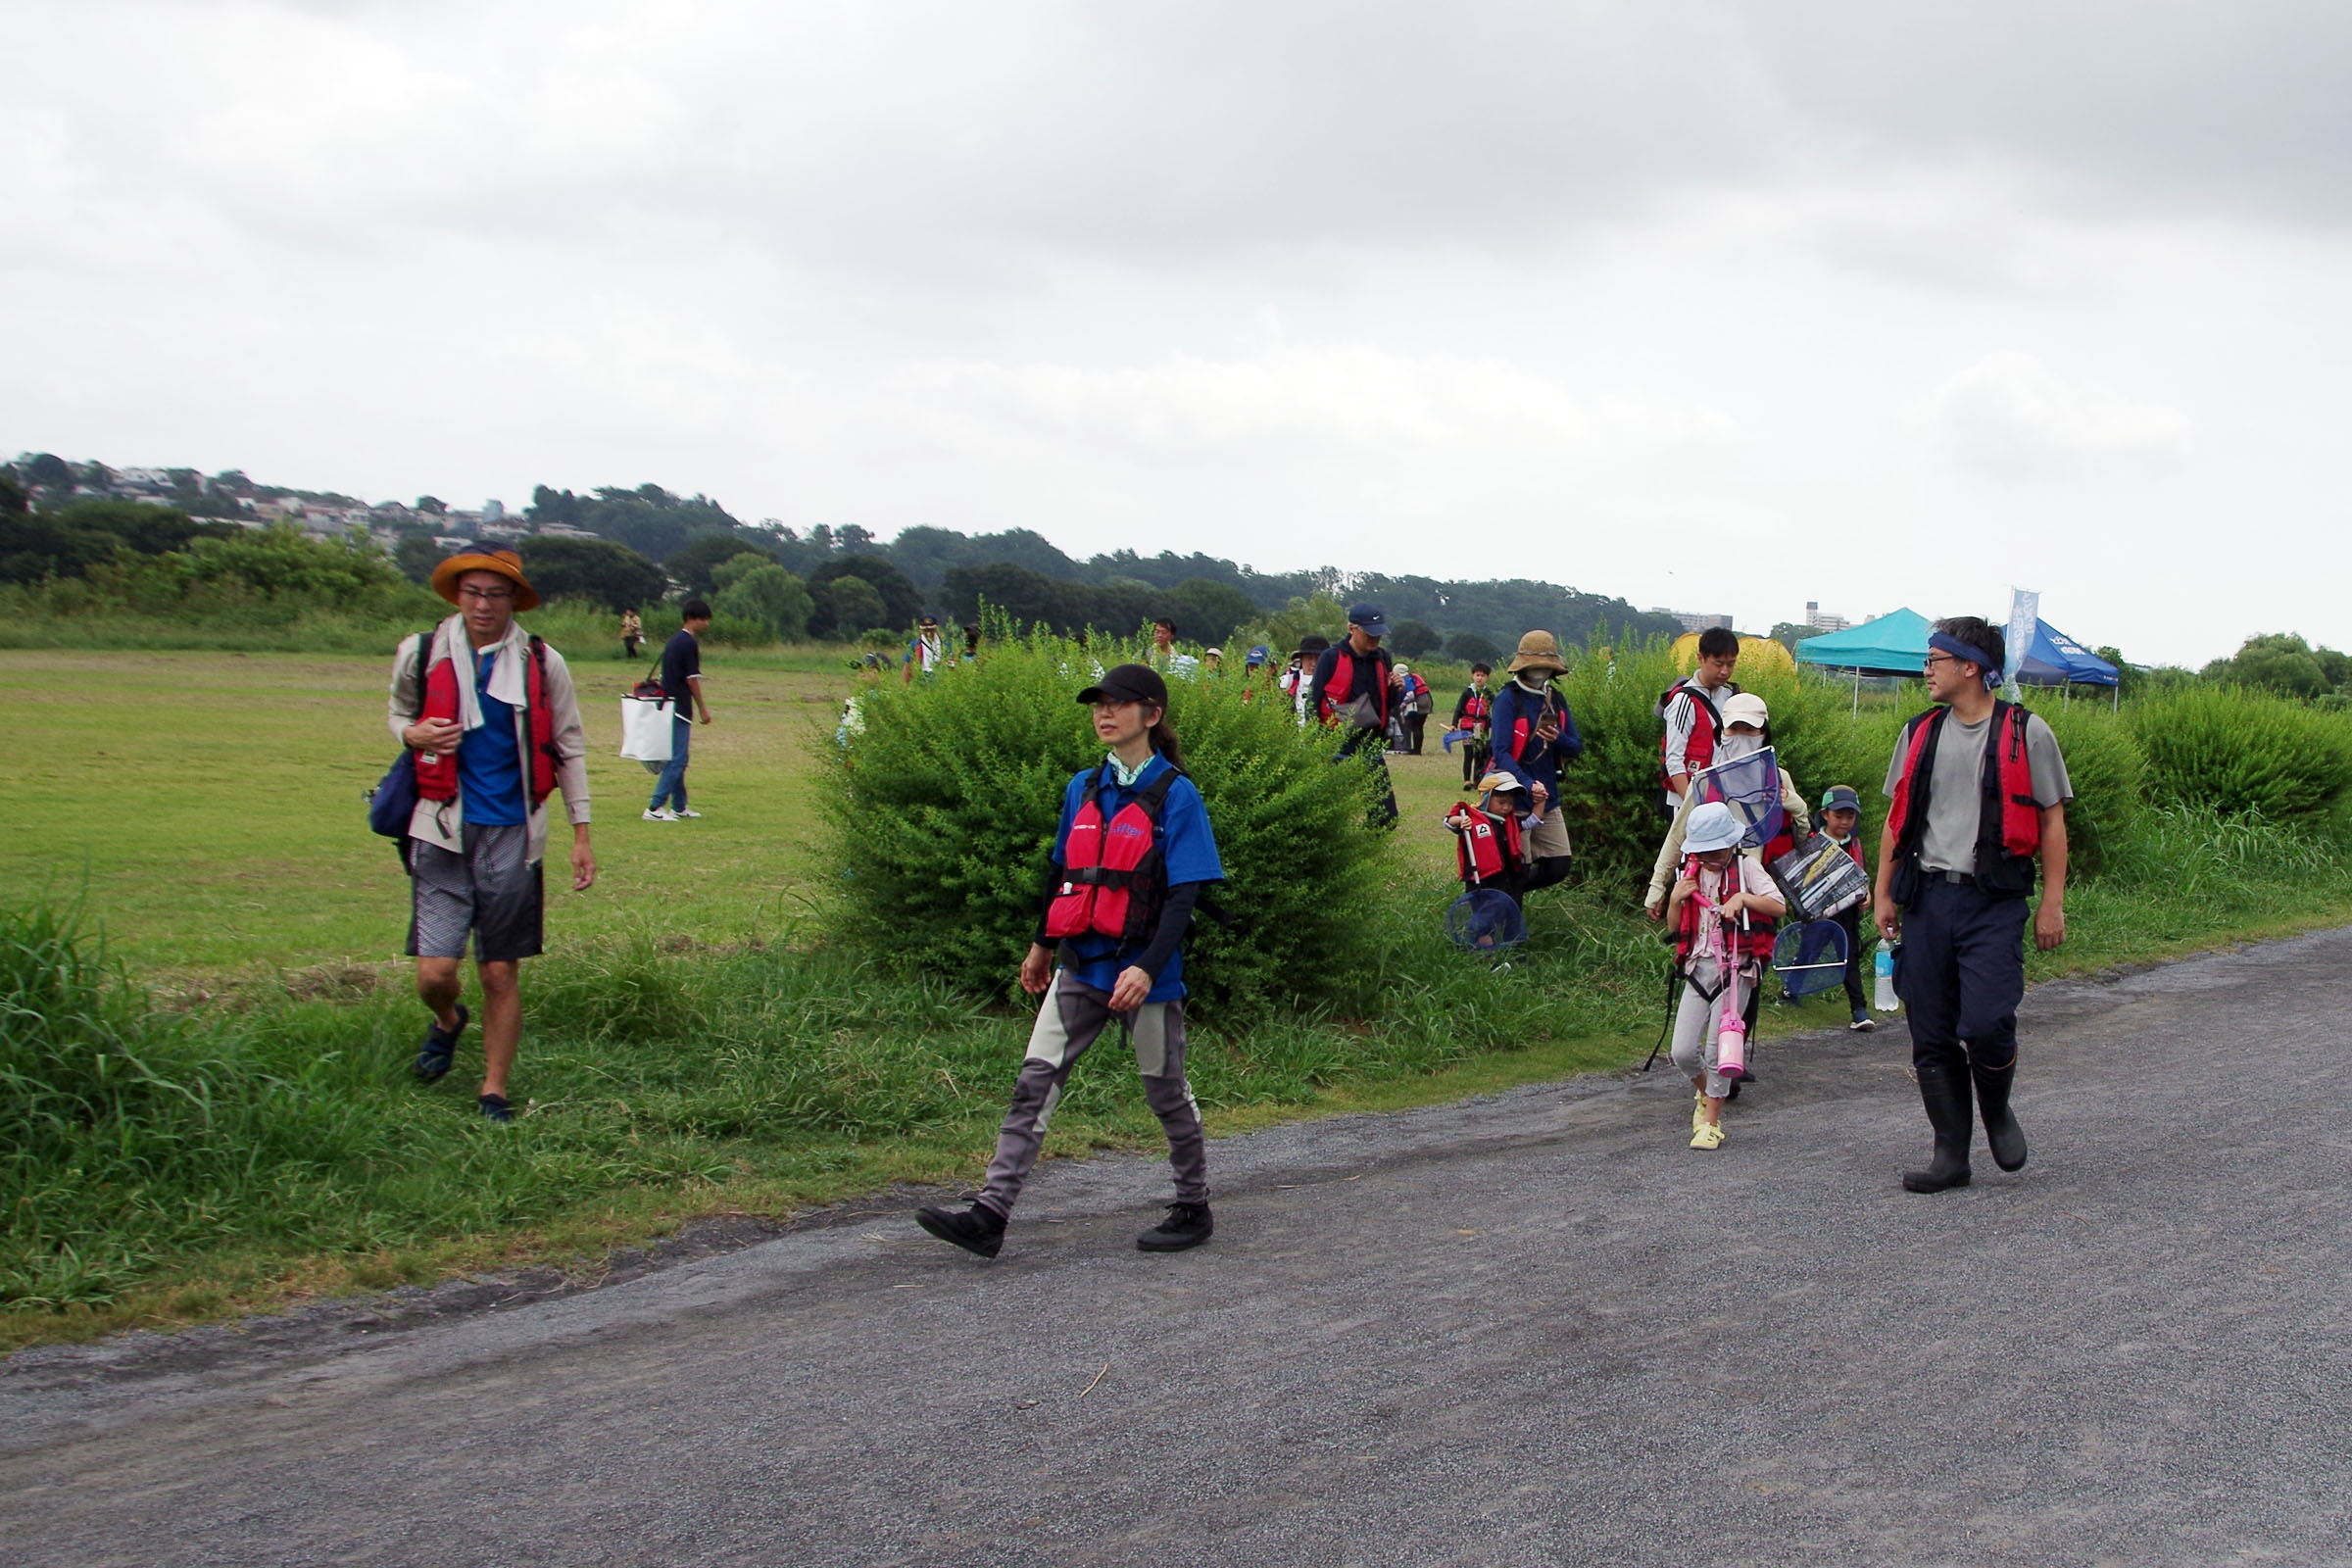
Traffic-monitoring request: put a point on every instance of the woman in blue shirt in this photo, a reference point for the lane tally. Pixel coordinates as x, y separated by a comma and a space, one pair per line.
1134, 978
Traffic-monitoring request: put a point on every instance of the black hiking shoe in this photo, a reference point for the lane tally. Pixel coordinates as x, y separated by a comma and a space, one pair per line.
440, 1045
1187, 1225
495, 1107
979, 1229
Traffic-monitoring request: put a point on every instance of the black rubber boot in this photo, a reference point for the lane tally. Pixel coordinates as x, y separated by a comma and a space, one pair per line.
979, 1229
1943, 1090
2001, 1131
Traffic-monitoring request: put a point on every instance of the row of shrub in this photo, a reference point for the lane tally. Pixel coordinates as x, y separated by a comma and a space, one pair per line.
2238, 753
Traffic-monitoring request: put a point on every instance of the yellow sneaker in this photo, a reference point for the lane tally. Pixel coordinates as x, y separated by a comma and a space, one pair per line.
1698, 1110
1708, 1136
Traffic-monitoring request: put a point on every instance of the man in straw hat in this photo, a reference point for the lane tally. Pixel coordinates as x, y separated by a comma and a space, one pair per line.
490, 714
1532, 733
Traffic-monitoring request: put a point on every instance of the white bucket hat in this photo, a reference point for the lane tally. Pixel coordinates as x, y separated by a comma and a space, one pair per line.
1712, 826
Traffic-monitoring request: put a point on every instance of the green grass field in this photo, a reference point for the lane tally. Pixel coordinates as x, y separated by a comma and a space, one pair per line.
692, 1045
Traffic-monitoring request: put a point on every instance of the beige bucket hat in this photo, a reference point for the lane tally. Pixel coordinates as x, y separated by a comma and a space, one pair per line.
1539, 650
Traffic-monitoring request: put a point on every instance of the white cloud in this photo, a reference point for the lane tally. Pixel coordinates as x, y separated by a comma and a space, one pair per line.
2010, 415
1310, 400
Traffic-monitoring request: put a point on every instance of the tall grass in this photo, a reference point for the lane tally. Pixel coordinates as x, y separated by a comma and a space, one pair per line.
149, 1141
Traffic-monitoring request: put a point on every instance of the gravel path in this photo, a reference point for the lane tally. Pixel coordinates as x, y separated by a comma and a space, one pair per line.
1525, 1329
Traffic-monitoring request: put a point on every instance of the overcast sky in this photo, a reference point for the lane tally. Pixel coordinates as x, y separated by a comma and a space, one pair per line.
1717, 307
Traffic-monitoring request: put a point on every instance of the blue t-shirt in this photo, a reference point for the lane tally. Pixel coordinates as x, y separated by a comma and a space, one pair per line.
489, 763
1187, 847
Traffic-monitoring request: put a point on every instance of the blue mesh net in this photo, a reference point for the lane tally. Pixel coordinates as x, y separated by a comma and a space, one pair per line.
1810, 959
1751, 787
1484, 920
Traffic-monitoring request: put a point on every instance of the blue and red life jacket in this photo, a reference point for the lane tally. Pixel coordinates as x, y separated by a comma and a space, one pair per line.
1340, 691
1754, 942
2008, 821
1114, 875
437, 776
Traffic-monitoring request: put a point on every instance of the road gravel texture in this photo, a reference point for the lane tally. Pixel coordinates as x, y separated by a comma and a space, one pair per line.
1528, 1329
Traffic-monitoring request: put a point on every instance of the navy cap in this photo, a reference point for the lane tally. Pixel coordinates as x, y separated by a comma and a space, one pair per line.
1257, 653
1128, 683
1842, 798
1369, 618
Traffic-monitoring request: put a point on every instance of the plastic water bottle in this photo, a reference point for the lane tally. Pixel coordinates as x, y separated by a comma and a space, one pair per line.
1886, 1001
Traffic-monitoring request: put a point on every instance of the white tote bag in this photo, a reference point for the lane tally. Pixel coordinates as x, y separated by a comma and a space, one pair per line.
645, 734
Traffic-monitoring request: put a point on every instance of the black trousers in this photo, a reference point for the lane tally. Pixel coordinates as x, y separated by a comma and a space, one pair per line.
1851, 921
1414, 723
1473, 760
1961, 973
1368, 743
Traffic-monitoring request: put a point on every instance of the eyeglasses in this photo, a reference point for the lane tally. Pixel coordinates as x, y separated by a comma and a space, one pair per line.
486, 594
1932, 659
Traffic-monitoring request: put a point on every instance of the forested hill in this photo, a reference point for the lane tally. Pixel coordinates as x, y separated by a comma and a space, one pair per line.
1023, 572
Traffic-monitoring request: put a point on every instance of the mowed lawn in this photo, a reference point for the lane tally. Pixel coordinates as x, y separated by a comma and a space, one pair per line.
205, 807
210, 805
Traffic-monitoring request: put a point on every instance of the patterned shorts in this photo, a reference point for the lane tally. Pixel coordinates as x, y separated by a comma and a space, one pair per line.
490, 890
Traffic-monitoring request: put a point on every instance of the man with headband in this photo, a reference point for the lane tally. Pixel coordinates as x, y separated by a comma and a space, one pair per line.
1980, 791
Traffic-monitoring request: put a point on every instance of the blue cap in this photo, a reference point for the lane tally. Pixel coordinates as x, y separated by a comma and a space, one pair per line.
1842, 798
1259, 653
1370, 620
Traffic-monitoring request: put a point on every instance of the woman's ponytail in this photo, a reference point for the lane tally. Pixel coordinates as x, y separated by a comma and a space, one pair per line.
1164, 740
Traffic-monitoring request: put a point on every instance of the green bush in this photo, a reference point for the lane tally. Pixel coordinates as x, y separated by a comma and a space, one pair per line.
945, 808
1613, 791
2109, 774
2243, 752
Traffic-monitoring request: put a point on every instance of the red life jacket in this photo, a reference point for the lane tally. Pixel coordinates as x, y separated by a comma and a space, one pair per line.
1114, 875
2008, 821
437, 776
1699, 750
1753, 942
1340, 691
1482, 851
1476, 705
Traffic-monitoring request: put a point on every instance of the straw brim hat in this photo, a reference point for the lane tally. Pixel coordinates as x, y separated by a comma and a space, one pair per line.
1539, 650
505, 563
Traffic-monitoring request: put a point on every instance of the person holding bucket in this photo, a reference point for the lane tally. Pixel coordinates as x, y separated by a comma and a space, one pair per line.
1721, 912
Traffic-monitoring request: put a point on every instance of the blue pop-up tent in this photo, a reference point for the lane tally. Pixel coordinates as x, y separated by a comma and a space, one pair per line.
1893, 645
2057, 659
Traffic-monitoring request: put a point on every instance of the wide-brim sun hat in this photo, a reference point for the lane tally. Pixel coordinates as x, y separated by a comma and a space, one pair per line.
1712, 826
1499, 780
505, 563
1745, 708
1539, 650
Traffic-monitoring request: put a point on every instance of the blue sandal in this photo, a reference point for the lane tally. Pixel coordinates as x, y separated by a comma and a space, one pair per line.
440, 1047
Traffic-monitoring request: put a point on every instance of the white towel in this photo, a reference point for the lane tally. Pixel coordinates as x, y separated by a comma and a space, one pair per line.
506, 672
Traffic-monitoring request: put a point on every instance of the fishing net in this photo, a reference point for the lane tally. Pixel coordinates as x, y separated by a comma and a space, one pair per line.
1751, 787
1484, 920
1810, 959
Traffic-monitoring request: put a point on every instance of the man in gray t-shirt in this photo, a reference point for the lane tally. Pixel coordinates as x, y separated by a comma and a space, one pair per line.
1951, 840
1955, 874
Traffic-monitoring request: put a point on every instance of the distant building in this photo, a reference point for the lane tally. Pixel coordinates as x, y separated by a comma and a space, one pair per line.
494, 511
1821, 620
1692, 621
565, 531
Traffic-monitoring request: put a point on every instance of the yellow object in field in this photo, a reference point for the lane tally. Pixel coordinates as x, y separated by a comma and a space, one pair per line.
1755, 653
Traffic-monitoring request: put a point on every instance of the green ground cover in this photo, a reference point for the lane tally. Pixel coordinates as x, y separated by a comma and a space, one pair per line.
693, 1043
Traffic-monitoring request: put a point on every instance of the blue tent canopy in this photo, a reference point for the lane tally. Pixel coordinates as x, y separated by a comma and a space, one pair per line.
1892, 645
2057, 659
1896, 644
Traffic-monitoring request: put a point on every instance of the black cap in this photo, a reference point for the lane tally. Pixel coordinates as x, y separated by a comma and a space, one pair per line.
1128, 683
